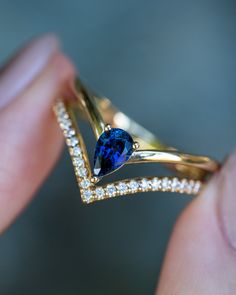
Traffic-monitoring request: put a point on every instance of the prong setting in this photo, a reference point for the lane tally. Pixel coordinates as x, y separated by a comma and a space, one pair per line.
94, 180
107, 128
136, 145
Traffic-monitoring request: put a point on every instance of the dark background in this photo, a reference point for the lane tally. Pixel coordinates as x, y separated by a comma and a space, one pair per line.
171, 66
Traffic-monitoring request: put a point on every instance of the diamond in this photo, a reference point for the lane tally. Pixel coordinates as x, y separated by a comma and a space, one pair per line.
183, 185
197, 187
87, 195
76, 151
73, 141
77, 161
85, 183
81, 172
64, 117
61, 112
111, 190
144, 184
65, 124
100, 193
114, 147
155, 183
70, 132
122, 188
165, 184
60, 108
175, 184
189, 187
133, 185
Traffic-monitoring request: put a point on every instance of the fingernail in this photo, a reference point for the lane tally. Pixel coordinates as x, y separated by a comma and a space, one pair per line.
227, 200
22, 69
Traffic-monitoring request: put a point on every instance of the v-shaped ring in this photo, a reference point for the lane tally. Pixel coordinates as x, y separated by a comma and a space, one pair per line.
131, 145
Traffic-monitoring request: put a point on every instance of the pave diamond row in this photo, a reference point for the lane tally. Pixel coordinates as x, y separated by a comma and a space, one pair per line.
165, 184
73, 142
91, 192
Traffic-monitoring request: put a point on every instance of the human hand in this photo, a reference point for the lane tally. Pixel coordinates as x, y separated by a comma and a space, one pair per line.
30, 138
201, 257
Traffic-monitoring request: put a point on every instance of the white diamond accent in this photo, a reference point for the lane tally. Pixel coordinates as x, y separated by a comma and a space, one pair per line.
85, 183
155, 183
69, 133
144, 184
122, 187
81, 172
87, 195
165, 184
100, 193
65, 124
175, 184
197, 187
189, 187
133, 185
73, 141
78, 162
76, 151
111, 190
183, 184
60, 109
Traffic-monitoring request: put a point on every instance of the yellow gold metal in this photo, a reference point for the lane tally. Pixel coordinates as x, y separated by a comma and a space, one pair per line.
147, 149
94, 179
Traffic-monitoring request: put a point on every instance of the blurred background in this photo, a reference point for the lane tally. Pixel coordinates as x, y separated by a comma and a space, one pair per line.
171, 66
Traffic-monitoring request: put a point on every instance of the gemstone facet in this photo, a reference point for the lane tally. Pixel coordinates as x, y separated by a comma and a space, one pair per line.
114, 147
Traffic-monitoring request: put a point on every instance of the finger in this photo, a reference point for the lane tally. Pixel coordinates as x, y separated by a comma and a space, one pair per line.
201, 257
22, 68
30, 139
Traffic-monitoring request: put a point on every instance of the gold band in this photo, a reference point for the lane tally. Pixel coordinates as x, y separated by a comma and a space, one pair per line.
100, 113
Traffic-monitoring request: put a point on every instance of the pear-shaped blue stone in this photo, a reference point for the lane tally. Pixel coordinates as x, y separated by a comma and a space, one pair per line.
113, 149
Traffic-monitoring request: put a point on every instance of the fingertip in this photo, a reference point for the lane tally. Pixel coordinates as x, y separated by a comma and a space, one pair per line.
20, 71
64, 68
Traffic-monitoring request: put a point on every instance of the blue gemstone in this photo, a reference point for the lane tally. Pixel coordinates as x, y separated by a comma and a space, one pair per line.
113, 149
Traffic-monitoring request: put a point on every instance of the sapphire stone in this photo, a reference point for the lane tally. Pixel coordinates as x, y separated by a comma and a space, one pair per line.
113, 149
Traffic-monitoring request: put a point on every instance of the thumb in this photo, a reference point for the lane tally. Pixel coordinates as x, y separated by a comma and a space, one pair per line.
201, 257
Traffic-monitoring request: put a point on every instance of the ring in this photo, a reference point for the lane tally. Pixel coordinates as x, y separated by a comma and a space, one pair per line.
122, 141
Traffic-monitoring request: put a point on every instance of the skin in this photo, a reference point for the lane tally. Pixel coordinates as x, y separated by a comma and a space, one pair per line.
201, 256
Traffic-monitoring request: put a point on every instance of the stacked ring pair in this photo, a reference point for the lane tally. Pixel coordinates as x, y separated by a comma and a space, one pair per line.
122, 141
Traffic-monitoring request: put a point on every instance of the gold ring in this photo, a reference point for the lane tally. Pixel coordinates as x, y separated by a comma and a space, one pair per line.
122, 141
